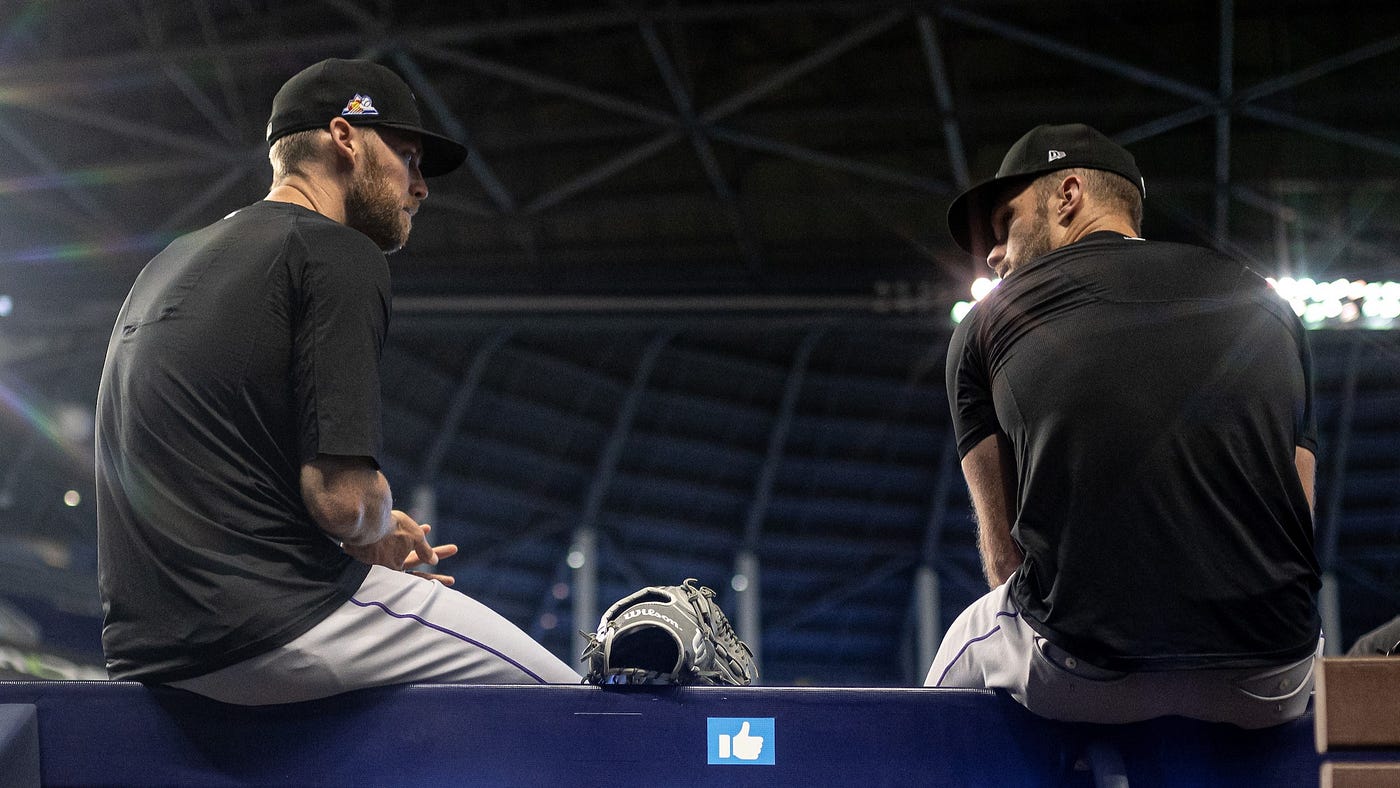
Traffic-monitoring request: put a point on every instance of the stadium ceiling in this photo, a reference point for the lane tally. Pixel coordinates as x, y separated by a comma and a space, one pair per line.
728, 148
740, 201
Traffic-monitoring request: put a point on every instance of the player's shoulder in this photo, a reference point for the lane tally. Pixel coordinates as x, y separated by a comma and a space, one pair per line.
302, 227
1221, 269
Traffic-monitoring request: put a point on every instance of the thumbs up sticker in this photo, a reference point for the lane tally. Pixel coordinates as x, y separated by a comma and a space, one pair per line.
745, 741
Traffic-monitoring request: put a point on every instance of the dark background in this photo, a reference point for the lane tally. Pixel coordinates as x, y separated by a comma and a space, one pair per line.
693, 288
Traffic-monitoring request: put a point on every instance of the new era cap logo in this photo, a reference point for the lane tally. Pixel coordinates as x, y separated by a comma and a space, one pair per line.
360, 105
1056, 154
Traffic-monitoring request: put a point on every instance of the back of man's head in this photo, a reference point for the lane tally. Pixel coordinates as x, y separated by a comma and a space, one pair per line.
1050, 149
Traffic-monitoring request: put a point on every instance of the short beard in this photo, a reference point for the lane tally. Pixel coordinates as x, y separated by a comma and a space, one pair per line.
1037, 240
371, 208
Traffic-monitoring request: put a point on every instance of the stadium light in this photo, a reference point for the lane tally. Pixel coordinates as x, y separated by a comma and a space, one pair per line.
1342, 303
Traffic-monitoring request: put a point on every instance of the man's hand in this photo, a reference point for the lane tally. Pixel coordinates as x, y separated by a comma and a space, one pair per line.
405, 547
442, 551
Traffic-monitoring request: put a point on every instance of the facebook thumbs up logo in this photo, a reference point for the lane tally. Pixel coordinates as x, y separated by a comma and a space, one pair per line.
741, 740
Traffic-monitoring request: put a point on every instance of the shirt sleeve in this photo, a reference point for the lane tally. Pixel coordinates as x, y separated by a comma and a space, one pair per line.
342, 300
969, 387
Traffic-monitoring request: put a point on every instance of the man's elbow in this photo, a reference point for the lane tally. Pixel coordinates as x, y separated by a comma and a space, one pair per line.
350, 507
342, 519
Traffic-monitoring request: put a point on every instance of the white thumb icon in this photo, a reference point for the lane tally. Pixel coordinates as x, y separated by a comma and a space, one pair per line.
747, 747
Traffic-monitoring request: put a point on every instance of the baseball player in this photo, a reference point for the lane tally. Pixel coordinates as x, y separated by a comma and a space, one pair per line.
1135, 421
248, 547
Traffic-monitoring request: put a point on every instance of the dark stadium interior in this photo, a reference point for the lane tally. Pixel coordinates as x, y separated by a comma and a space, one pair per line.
692, 292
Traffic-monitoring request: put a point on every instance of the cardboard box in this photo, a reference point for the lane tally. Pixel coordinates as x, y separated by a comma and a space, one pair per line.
1358, 703
1360, 775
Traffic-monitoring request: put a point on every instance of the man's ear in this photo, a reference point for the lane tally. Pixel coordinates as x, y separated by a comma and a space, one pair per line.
1068, 198
345, 140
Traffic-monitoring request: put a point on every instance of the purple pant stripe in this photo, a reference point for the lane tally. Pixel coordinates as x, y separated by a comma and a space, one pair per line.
449, 632
969, 643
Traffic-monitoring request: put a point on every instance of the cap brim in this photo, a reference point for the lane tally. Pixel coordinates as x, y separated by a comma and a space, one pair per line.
441, 155
969, 216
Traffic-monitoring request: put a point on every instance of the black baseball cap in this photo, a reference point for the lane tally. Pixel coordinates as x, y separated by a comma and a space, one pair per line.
1043, 149
365, 94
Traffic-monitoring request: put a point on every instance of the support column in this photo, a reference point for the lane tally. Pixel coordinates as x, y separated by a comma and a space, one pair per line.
928, 615
1328, 527
1329, 603
423, 508
927, 605
750, 626
583, 560
748, 590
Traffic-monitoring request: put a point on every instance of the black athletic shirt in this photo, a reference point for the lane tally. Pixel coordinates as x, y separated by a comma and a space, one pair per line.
1154, 394
243, 350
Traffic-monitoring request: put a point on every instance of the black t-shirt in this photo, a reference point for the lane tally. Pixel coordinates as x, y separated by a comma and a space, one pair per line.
243, 350
1154, 394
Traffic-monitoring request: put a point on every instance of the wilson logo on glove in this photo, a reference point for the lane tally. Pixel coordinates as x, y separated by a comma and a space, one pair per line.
634, 612
668, 635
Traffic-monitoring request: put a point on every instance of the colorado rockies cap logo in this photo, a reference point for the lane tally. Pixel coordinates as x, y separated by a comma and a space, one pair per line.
360, 105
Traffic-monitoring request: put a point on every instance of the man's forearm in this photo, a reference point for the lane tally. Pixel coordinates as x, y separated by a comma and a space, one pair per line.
991, 483
1000, 555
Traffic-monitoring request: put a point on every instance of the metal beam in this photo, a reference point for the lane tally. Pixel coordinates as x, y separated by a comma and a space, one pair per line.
268, 51
457, 130
874, 172
1322, 130
938, 73
1055, 47
192, 206
586, 533
812, 62
1322, 68
603, 172
746, 563
606, 467
1264, 89
223, 70
1164, 124
777, 440
20, 25
461, 401
1296, 218
218, 119
544, 84
30, 152
481, 557
1222, 123
839, 595
1340, 241
107, 121
743, 235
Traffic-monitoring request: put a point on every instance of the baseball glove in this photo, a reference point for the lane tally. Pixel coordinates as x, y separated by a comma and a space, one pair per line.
668, 635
